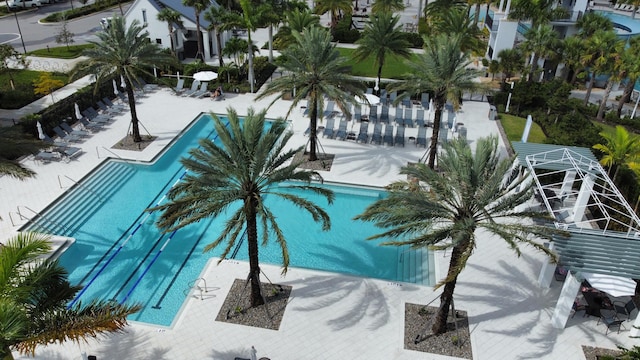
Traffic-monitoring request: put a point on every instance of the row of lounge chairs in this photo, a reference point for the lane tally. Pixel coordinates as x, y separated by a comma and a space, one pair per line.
385, 102
198, 89
624, 7
392, 136
405, 118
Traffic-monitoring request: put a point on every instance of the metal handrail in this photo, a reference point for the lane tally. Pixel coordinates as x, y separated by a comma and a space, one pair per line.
109, 151
82, 186
41, 216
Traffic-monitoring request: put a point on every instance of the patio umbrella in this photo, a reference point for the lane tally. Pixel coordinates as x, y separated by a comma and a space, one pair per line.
178, 75
122, 83
615, 286
368, 99
115, 88
78, 113
205, 75
40, 132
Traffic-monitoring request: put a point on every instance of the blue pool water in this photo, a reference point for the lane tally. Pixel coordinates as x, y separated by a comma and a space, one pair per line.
624, 25
107, 207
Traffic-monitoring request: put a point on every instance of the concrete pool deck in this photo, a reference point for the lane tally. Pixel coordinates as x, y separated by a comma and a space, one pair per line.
330, 316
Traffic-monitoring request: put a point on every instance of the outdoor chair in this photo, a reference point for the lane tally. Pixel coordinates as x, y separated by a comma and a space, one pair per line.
54, 143
357, 112
342, 130
179, 86
421, 139
71, 131
93, 115
363, 135
373, 113
399, 138
443, 136
384, 114
424, 100
66, 137
406, 101
91, 126
420, 118
610, 320
398, 117
109, 110
193, 89
47, 156
111, 105
328, 128
624, 308
392, 97
383, 97
376, 137
329, 112
388, 135
201, 91
407, 120
147, 86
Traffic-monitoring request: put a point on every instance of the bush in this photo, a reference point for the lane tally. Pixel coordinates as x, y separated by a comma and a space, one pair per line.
414, 39
81, 11
344, 33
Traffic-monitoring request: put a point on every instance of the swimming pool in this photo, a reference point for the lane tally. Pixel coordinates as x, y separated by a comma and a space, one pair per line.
625, 26
118, 247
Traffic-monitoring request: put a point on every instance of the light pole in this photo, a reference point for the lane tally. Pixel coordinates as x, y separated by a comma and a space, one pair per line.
24, 48
506, 109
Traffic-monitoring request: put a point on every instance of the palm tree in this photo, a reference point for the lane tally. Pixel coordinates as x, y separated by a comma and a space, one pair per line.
34, 298
539, 12
334, 7
456, 21
469, 193
600, 49
296, 21
382, 36
573, 49
126, 52
620, 150
314, 69
510, 62
198, 7
249, 164
218, 18
591, 22
615, 67
387, 6
541, 42
443, 71
13, 145
250, 21
172, 18
235, 48
631, 68
270, 15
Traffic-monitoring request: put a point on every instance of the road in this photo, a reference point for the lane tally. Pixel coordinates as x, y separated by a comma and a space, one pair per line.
39, 36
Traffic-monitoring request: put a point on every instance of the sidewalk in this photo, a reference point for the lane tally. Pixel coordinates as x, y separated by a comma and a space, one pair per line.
11, 117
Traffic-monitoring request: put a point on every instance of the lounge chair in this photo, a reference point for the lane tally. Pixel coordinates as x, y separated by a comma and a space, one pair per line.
406, 101
421, 139
109, 110
376, 137
110, 104
201, 90
147, 86
54, 143
443, 134
342, 130
69, 152
388, 135
420, 118
91, 126
357, 112
47, 156
451, 116
179, 86
373, 113
328, 128
399, 138
66, 137
398, 117
383, 97
329, 112
407, 120
194, 88
71, 131
363, 135
424, 100
384, 114
123, 97
392, 97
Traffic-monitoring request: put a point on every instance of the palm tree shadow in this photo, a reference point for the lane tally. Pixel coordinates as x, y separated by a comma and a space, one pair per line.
129, 345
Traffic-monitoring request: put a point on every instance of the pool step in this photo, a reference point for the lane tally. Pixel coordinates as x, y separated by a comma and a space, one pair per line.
413, 265
83, 200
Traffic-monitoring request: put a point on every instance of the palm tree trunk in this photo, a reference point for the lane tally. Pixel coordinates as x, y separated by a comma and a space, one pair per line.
199, 35
219, 47
575, 75
173, 47
626, 95
270, 43
433, 147
615, 174
250, 61
605, 98
313, 125
379, 77
135, 129
440, 323
589, 87
252, 242
534, 66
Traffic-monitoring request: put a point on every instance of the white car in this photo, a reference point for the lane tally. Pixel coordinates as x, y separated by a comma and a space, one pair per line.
104, 22
23, 4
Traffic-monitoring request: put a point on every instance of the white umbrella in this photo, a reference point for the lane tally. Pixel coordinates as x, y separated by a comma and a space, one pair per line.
78, 113
115, 88
40, 132
368, 99
122, 83
615, 286
205, 75
178, 75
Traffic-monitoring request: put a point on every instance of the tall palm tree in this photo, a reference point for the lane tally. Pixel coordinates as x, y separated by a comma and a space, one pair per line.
600, 50
541, 42
296, 21
456, 21
126, 52
388, 6
250, 19
631, 68
539, 12
591, 22
14, 144
511, 62
171, 17
468, 194
573, 48
620, 150
270, 15
314, 69
34, 294
443, 71
248, 164
218, 18
199, 6
382, 36
334, 7
615, 66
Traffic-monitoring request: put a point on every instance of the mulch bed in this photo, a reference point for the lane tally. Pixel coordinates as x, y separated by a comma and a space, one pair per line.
237, 309
127, 143
594, 353
323, 163
418, 318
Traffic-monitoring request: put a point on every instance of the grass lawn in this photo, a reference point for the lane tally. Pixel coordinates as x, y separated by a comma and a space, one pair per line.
514, 126
394, 68
23, 94
62, 52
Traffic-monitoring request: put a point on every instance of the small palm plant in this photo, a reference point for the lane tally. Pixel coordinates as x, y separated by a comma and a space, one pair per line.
470, 193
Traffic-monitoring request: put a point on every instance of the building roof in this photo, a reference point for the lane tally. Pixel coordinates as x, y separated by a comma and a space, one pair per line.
186, 11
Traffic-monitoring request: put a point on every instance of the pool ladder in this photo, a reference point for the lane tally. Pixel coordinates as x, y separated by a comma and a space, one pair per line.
196, 284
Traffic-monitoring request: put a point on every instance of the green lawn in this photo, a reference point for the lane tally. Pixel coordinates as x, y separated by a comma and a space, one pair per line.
394, 68
514, 126
62, 52
23, 94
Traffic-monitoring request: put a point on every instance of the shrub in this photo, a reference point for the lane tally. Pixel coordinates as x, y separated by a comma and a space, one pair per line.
414, 39
344, 33
81, 11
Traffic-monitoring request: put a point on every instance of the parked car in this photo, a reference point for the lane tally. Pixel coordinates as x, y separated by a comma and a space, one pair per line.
23, 4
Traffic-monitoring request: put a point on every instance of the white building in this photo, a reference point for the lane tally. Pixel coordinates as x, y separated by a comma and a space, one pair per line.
185, 37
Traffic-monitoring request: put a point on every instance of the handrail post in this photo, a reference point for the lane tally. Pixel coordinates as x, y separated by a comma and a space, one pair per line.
98, 151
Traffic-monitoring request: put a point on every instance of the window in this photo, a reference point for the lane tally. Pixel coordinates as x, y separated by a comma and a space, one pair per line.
144, 16
159, 41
